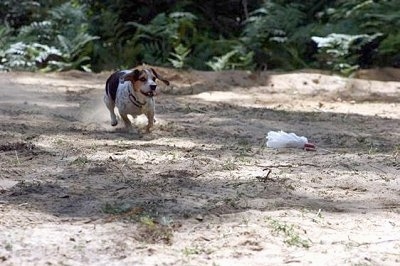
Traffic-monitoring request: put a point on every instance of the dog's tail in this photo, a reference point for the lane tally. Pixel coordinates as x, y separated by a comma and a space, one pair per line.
112, 84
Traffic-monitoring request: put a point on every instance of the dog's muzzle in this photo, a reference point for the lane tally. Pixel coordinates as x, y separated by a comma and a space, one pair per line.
152, 91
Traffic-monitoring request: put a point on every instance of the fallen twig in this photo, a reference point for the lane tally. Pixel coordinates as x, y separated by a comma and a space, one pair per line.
377, 168
287, 165
265, 178
373, 243
200, 174
316, 216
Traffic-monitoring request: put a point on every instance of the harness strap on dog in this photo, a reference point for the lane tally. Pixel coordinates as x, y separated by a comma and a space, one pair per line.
133, 99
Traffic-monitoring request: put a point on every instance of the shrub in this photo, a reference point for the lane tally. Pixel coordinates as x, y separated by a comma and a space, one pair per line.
58, 42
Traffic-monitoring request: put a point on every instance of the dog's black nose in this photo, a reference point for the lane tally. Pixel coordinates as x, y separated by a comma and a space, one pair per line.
153, 87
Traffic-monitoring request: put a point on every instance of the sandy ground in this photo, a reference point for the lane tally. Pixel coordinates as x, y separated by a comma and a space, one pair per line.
196, 191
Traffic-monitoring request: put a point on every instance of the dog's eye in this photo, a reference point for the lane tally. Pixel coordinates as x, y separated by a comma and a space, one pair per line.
154, 79
142, 79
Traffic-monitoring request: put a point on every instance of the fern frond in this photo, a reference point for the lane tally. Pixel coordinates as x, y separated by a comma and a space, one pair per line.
221, 62
179, 57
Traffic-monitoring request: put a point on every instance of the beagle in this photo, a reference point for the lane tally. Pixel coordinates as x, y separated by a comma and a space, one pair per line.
132, 92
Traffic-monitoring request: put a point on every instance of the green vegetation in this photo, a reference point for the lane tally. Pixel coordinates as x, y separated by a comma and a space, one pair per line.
57, 35
291, 236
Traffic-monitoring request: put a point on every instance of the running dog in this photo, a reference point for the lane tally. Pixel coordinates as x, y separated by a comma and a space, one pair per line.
132, 92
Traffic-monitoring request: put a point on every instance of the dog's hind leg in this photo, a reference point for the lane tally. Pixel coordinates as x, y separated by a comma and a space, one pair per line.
111, 106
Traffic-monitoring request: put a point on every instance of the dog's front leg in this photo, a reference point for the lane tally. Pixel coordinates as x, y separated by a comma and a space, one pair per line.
150, 121
127, 122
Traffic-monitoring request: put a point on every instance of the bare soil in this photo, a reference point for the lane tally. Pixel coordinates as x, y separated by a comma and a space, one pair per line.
202, 188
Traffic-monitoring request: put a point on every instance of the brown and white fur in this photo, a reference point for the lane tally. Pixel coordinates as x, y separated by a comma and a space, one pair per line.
132, 92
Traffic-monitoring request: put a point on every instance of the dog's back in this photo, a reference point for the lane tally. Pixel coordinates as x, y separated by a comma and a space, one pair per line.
112, 83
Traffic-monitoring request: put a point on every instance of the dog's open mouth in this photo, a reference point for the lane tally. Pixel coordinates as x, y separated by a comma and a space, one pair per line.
149, 93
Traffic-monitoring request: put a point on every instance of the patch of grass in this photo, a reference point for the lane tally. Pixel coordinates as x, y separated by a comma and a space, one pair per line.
244, 160
93, 147
79, 247
231, 202
229, 165
366, 143
8, 246
151, 231
291, 236
396, 151
188, 251
290, 186
80, 161
244, 147
372, 150
245, 221
173, 155
195, 250
59, 141
242, 152
396, 155
190, 109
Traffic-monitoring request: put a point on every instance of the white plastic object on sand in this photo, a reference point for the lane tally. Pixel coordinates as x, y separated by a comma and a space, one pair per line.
281, 139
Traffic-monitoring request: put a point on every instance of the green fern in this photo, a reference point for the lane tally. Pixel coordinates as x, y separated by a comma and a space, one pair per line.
70, 20
73, 47
42, 31
221, 62
154, 52
5, 36
165, 37
178, 59
391, 44
22, 56
337, 51
271, 33
59, 42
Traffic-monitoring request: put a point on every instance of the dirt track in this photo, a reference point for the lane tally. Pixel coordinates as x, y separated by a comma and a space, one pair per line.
75, 191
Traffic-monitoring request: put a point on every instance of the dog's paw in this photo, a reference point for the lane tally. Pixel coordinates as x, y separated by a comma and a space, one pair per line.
148, 129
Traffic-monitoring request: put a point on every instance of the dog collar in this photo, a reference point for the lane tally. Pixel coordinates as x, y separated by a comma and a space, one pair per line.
135, 101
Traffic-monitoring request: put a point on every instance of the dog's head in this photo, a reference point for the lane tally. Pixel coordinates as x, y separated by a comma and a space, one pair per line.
144, 81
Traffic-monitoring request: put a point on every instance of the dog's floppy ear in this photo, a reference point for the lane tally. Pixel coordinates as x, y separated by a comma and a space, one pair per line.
166, 82
131, 76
